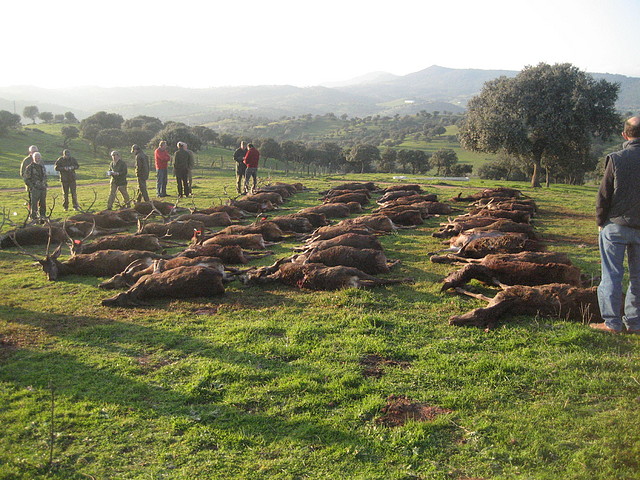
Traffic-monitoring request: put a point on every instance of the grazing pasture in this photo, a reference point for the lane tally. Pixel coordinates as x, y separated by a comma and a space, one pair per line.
271, 381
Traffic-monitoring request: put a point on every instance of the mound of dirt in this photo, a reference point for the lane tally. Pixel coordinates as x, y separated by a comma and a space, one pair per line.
400, 409
372, 365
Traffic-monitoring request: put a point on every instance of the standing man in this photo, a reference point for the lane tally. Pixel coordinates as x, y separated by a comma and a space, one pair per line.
35, 177
192, 165
241, 168
181, 161
251, 161
66, 165
142, 172
118, 173
23, 166
618, 218
162, 159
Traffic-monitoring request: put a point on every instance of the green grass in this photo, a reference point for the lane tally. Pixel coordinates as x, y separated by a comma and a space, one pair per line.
266, 382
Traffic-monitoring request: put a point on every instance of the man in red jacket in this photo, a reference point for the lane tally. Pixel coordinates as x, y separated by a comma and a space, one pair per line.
162, 158
251, 161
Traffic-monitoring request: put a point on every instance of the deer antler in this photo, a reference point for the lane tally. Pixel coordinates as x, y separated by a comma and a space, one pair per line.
22, 251
95, 198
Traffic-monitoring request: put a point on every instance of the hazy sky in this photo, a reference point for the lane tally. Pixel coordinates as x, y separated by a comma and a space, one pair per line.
200, 43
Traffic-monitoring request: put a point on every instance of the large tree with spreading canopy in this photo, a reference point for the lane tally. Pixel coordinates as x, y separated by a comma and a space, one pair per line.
546, 111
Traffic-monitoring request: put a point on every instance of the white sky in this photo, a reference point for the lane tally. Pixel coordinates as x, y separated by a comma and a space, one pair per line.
205, 43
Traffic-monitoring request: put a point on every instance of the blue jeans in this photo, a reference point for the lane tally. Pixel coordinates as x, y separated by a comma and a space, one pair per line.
614, 241
161, 182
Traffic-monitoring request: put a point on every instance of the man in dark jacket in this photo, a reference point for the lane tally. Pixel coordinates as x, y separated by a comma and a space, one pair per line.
35, 177
142, 172
66, 165
241, 168
118, 172
181, 163
618, 218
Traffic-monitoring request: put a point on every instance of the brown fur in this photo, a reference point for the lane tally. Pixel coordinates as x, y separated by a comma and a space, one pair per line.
181, 282
366, 259
218, 219
557, 300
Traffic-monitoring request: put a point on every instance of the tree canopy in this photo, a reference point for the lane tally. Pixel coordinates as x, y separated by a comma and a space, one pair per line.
546, 111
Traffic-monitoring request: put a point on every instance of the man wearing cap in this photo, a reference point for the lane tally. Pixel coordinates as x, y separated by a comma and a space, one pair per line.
142, 172
66, 165
23, 166
35, 177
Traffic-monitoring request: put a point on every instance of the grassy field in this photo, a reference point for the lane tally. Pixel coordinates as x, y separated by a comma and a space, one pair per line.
272, 382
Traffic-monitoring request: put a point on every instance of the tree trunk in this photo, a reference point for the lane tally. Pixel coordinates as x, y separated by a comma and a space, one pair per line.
535, 178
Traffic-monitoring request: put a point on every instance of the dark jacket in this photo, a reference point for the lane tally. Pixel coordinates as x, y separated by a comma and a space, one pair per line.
142, 165
67, 167
618, 198
121, 169
181, 162
239, 154
35, 176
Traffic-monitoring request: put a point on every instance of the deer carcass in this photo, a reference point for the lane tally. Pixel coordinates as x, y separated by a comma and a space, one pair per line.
348, 239
146, 266
269, 230
329, 210
249, 241
555, 299
217, 219
181, 282
229, 254
361, 198
182, 230
494, 270
317, 276
146, 242
366, 259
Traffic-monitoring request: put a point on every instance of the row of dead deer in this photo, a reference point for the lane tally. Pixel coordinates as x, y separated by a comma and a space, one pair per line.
496, 244
347, 254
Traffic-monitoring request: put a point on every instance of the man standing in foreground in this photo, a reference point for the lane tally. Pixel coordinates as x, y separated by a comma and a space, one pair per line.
618, 217
142, 172
251, 161
241, 168
66, 165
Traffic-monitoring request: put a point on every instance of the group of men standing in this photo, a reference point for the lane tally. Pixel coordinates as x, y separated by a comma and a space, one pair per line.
34, 174
246, 158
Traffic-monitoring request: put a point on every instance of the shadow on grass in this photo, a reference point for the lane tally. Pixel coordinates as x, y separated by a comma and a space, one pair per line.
102, 379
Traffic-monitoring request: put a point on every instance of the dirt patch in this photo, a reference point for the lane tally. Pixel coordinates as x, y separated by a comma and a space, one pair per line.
372, 365
400, 409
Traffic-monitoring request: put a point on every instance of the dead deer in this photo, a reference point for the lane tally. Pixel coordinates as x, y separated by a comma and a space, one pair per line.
413, 187
555, 299
331, 231
355, 186
494, 270
378, 223
146, 242
361, 198
317, 276
33, 235
396, 194
366, 259
514, 215
229, 254
329, 210
499, 192
348, 239
274, 197
253, 207
403, 216
146, 266
217, 219
248, 241
180, 282
234, 212
107, 218
291, 223
269, 230
181, 230
335, 193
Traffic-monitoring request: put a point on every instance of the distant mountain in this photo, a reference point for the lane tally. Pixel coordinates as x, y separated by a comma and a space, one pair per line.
378, 93
369, 78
